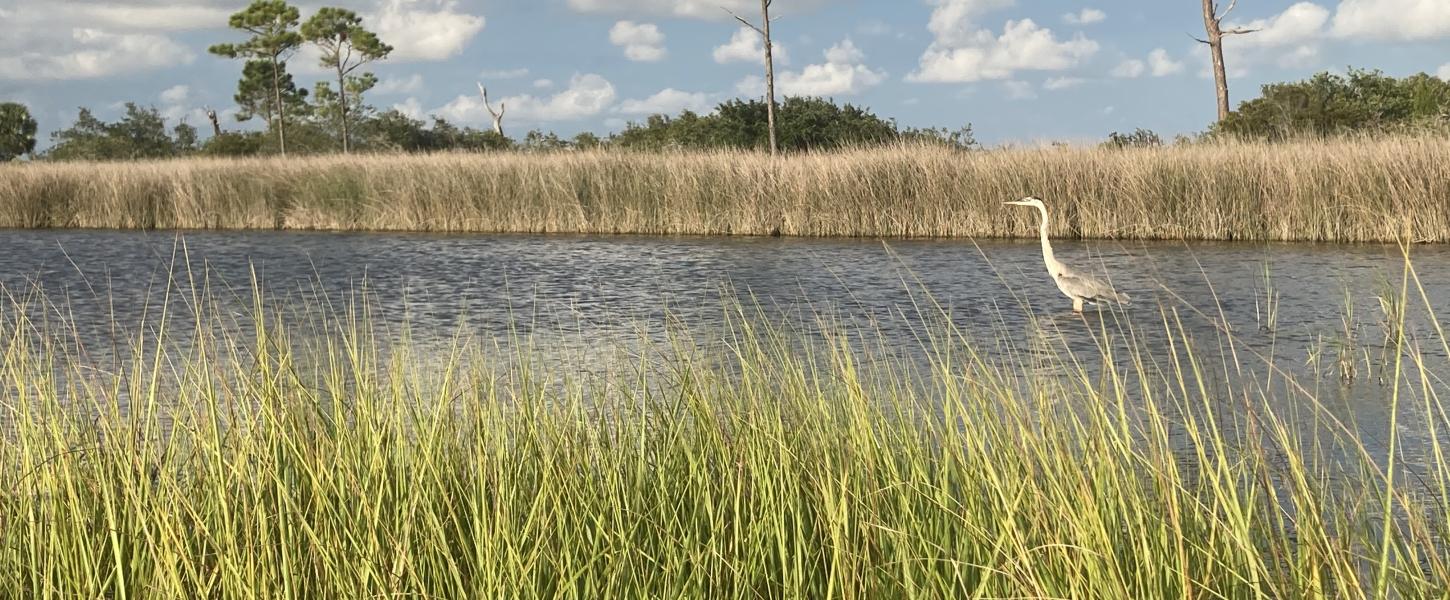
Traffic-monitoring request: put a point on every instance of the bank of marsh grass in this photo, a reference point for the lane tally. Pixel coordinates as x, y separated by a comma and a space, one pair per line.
254, 462
1395, 189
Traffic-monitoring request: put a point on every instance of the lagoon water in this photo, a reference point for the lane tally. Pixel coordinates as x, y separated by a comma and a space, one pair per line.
591, 294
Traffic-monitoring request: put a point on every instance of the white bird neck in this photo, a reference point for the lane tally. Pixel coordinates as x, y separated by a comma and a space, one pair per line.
1047, 256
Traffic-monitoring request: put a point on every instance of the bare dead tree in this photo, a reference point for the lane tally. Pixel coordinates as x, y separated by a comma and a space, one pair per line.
764, 31
497, 116
1213, 25
216, 126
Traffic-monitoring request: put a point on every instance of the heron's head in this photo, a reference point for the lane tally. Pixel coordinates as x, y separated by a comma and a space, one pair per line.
1028, 201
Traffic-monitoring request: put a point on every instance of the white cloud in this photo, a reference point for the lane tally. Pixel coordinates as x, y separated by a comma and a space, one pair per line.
1290, 39
424, 29
874, 27
667, 101
126, 15
1444, 72
964, 53
642, 42
1019, 90
693, 9
175, 105
1298, 23
586, 96
952, 21
410, 107
86, 54
1163, 65
395, 86
1392, 19
1129, 69
307, 61
504, 74
746, 45
845, 53
543, 84
1159, 64
1062, 83
175, 94
1086, 16
842, 74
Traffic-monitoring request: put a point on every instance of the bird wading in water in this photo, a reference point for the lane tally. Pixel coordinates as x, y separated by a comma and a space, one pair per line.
1073, 284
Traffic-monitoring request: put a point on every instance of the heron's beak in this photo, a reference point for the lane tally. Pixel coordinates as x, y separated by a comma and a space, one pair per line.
1014, 202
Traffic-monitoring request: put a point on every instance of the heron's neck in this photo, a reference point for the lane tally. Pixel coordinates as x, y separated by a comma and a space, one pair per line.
1047, 256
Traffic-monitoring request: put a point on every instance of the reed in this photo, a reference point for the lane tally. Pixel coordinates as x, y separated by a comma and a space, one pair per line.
1356, 190
246, 460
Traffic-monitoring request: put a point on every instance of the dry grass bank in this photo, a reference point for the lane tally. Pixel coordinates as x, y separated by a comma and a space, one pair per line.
1365, 190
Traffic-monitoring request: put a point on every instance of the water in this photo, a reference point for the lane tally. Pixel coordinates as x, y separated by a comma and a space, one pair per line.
603, 284
587, 293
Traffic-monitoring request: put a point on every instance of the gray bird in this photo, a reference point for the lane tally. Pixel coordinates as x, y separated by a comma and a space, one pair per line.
1075, 285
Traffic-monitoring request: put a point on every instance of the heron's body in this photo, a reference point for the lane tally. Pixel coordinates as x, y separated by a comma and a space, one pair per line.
1074, 285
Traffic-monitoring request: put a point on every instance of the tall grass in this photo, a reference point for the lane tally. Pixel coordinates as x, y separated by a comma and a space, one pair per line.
249, 462
1345, 190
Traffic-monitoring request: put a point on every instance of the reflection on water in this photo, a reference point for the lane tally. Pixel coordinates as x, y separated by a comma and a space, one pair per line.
584, 298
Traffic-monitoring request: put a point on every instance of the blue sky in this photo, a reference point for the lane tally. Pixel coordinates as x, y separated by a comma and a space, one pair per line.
1018, 71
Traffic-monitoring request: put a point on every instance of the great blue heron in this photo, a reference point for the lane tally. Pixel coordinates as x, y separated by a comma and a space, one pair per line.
1075, 285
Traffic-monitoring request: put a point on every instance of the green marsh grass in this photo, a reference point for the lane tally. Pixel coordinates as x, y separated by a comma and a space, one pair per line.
250, 461
1349, 190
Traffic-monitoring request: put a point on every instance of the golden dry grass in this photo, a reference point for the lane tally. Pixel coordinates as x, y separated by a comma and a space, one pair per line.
1347, 191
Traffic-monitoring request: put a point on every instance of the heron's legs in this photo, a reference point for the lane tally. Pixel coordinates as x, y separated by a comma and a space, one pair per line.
1077, 305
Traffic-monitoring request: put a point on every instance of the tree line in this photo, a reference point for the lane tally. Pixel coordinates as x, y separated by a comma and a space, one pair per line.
334, 116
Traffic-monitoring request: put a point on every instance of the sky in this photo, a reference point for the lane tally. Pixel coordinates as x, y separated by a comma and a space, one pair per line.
1019, 71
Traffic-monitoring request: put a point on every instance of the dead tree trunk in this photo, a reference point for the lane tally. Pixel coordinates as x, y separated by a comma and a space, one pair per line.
764, 31
1213, 27
216, 126
497, 116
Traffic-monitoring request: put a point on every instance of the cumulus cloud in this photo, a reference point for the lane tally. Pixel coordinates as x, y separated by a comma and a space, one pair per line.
1444, 72
175, 102
1019, 90
642, 42
844, 73
410, 107
86, 53
543, 84
1086, 16
1290, 39
1163, 65
1392, 19
175, 94
874, 27
1129, 69
962, 51
952, 21
125, 15
1062, 83
692, 9
667, 101
504, 73
587, 95
746, 45
1159, 64
396, 86
424, 29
